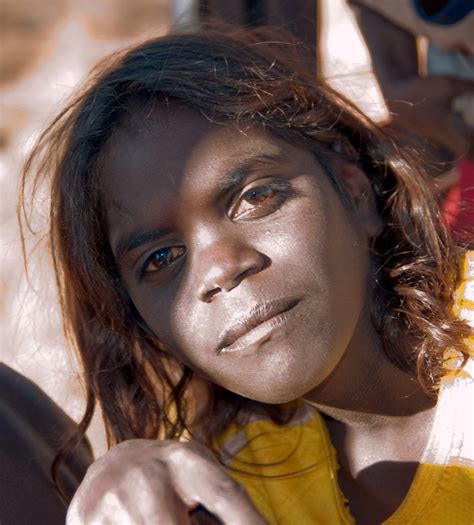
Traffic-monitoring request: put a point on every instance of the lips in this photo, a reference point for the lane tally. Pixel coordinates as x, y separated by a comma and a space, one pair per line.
258, 315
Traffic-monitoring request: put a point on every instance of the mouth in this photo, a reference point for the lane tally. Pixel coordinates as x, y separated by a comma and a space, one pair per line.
255, 326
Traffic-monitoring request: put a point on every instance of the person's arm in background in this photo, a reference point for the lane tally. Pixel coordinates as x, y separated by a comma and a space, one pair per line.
32, 431
421, 104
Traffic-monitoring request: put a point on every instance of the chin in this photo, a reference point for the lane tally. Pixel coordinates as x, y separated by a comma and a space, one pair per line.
276, 394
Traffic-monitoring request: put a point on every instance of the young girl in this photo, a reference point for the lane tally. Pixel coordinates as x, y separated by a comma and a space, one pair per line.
257, 282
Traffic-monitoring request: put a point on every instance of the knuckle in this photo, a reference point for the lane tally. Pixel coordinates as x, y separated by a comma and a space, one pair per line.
147, 477
169, 448
179, 454
190, 454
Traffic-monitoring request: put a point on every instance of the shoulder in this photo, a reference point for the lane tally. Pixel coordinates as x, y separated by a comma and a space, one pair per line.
34, 429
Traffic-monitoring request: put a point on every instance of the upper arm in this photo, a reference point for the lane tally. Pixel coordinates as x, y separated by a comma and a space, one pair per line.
33, 430
392, 49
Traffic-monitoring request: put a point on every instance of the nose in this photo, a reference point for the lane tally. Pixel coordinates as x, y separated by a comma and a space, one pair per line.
224, 265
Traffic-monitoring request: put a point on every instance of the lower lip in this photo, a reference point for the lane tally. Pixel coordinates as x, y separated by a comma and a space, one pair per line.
259, 334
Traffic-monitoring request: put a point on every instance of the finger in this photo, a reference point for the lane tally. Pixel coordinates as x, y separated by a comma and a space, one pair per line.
199, 478
151, 498
144, 494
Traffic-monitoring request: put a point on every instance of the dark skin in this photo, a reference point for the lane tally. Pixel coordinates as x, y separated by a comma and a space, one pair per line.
33, 430
208, 221
227, 251
378, 454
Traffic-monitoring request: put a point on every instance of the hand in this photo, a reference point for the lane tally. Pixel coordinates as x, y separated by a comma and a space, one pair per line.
159, 482
423, 105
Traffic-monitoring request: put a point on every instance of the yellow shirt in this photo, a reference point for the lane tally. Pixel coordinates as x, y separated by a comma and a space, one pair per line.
290, 471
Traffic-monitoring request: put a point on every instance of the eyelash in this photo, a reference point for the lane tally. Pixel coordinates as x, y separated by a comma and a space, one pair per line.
144, 271
275, 194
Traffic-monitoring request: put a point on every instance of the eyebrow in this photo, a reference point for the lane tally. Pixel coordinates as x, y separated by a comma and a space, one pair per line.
230, 179
135, 240
237, 174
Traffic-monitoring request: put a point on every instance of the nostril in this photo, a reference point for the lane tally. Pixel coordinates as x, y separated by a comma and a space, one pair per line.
209, 295
244, 274
228, 285
225, 276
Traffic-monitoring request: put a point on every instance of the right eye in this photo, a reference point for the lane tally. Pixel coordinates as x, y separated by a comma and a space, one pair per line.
161, 259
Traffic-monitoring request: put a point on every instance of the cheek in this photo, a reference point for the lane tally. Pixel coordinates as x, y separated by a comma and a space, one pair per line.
173, 316
157, 305
300, 243
327, 253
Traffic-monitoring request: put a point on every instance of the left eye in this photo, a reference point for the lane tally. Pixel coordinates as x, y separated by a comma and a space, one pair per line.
259, 195
259, 201
161, 259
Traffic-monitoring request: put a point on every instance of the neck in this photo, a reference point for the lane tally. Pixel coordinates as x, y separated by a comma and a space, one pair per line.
366, 389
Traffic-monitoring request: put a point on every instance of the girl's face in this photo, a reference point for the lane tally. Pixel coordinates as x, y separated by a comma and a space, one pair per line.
237, 251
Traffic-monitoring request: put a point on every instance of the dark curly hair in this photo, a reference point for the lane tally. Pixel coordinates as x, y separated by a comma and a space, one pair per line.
243, 76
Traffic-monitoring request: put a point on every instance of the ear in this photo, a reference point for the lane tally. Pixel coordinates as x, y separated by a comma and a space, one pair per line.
360, 192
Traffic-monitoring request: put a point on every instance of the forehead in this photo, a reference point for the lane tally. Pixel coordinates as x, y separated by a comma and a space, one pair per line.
160, 155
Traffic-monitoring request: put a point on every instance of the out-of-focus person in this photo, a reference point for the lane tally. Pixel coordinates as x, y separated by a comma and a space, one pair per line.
33, 431
422, 53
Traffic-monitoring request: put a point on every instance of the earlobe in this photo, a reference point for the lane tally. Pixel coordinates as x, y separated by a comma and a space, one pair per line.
361, 194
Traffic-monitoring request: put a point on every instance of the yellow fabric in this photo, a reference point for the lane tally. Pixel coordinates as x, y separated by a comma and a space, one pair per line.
290, 471
439, 495
464, 297
295, 481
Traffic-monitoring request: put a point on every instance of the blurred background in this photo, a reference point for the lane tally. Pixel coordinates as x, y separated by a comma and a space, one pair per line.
47, 48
